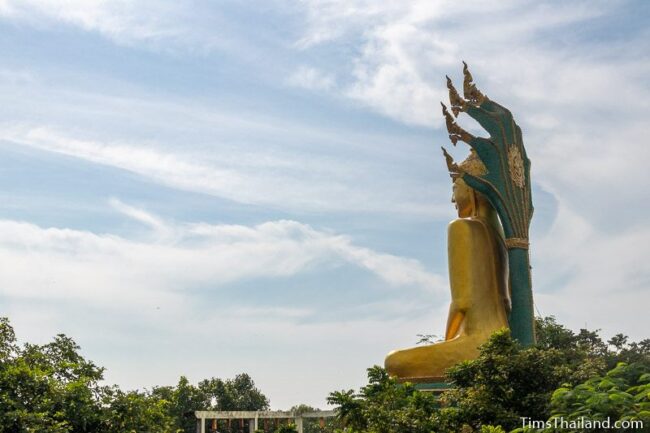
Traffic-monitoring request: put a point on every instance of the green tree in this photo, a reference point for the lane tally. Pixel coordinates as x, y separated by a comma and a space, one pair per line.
182, 400
383, 406
493, 392
505, 383
47, 388
622, 394
52, 388
136, 412
349, 409
238, 393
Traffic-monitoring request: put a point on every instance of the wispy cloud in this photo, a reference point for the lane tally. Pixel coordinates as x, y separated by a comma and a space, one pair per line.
591, 277
197, 256
293, 181
163, 230
406, 49
311, 78
123, 21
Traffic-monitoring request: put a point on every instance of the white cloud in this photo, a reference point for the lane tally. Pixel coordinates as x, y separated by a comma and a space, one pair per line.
162, 229
123, 21
287, 180
332, 19
593, 278
166, 168
311, 79
394, 270
406, 50
196, 256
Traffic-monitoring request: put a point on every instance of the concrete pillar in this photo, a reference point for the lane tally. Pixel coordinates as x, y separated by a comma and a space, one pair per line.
202, 425
299, 424
251, 425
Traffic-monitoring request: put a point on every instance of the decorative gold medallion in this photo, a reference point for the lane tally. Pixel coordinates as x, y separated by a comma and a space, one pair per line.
516, 165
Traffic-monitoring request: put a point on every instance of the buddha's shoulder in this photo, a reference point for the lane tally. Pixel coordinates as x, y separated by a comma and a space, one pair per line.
466, 228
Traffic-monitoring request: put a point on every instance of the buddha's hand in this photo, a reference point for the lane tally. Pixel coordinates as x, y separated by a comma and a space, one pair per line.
507, 181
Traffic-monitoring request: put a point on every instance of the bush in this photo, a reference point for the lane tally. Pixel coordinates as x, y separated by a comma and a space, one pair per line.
505, 384
623, 394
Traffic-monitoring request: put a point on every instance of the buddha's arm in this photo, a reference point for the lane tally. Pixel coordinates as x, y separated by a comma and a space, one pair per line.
454, 321
468, 252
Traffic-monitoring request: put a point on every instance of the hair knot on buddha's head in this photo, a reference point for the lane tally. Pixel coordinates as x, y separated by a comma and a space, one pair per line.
473, 165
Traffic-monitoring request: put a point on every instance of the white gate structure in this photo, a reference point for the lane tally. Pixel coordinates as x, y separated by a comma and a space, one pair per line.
253, 417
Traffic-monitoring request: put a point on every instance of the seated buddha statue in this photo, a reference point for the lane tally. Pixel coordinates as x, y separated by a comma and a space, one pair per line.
478, 276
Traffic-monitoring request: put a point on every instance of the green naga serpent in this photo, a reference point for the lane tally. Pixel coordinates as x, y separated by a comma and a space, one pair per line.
505, 184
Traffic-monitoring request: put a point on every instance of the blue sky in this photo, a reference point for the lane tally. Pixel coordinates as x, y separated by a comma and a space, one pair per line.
206, 188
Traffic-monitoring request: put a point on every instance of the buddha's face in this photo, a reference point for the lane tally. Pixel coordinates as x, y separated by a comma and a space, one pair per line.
463, 197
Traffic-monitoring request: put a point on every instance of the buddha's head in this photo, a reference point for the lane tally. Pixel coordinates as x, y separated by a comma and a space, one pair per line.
468, 201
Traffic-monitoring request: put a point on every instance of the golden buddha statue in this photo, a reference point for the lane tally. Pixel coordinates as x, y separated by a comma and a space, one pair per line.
478, 276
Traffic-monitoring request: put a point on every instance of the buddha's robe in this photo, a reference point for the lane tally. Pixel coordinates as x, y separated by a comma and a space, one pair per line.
480, 303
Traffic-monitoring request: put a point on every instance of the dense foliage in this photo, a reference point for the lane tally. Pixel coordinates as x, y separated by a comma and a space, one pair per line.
571, 376
622, 395
51, 388
505, 384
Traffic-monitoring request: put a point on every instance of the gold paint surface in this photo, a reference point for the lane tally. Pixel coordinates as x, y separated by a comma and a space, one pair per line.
480, 298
